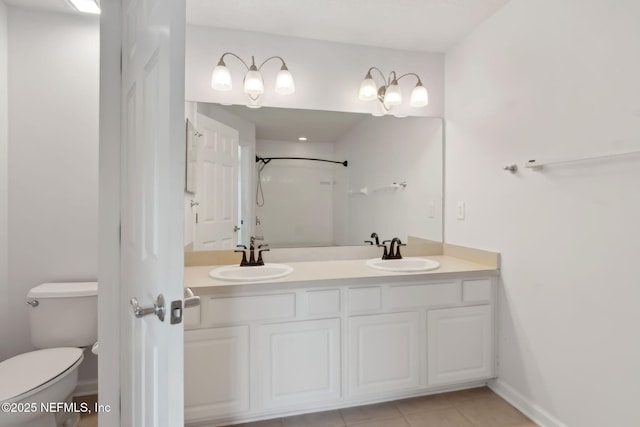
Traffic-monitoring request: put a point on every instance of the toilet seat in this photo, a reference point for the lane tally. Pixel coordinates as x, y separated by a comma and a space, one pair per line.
28, 373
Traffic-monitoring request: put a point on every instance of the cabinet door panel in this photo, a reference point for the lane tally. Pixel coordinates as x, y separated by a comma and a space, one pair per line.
384, 353
460, 344
300, 362
216, 372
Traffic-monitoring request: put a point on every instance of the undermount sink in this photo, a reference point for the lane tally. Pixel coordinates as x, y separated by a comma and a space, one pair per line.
235, 273
403, 265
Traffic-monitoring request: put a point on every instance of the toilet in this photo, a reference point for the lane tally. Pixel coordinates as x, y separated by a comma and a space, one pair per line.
64, 321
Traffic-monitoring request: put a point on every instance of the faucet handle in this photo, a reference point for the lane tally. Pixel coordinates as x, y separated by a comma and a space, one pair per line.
384, 253
244, 256
260, 260
240, 246
369, 242
265, 245
398, 254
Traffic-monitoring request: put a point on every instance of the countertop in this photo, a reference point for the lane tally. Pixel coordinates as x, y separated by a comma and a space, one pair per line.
304, 272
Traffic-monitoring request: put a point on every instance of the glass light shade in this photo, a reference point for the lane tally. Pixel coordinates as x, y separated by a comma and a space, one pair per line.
284, 82
368, 90
253, 84
393, 96
221, 78
419, 96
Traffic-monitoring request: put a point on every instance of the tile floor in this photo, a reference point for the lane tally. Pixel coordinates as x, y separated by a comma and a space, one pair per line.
88, 420
478, 407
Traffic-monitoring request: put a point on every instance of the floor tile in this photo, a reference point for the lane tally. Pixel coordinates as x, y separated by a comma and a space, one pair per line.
423, 403
468, 394
383, 422
359, 414
490, 411
318, 419
266, 423
89, 421
525, 424
448, 417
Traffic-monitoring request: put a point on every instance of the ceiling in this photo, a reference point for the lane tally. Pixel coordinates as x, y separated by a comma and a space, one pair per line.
283, 124
419, 25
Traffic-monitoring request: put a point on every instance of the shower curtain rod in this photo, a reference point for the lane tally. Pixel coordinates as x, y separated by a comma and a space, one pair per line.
266, 160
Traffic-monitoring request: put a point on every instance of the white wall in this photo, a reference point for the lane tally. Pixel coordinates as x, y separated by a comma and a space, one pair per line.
327, 74
53, 147
545, 79
384, 150
4, 289
298, 195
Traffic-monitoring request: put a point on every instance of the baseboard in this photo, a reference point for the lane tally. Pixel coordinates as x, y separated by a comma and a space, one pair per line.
86, 388
537, 414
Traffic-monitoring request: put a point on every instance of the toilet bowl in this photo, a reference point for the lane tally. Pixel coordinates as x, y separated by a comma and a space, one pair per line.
36, 387
34, 382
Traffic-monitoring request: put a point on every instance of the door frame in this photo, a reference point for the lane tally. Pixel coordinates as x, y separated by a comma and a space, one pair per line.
109, 213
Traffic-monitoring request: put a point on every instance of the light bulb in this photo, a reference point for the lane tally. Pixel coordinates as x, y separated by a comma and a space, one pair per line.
221, 77
368, 89
419, 96
284, 82
392, 95
253, 84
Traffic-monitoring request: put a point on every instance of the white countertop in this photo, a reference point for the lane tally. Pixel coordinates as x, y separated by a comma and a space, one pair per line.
198, 277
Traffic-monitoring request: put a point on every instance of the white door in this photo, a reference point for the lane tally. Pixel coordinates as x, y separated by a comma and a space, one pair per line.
152, 186
217, 186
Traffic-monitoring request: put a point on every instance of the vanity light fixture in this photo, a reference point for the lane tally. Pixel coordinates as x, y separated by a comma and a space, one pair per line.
389, 93
86, 6
302, 138
253, 85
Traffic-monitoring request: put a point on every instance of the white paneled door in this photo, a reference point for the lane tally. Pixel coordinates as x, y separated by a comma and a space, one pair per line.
151, 196
216, 186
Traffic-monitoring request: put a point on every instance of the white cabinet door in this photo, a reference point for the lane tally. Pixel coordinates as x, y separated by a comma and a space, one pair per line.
216, 372
460, 344
384, 353
300, 362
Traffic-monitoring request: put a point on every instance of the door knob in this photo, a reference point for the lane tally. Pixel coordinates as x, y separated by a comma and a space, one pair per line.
159, 308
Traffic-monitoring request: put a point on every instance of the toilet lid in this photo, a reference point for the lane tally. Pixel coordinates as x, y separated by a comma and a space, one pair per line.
27, 371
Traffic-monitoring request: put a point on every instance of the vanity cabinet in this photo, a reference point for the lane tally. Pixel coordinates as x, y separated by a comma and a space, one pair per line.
459, 344
384, 353
216, 372
266, 351
299, 362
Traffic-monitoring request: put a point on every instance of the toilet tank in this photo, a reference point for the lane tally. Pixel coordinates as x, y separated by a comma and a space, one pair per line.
63, 314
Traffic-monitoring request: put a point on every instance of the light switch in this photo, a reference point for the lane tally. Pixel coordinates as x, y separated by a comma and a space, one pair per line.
460, 210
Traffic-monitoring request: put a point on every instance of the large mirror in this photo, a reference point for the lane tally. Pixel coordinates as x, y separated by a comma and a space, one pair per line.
299, 178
